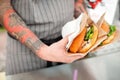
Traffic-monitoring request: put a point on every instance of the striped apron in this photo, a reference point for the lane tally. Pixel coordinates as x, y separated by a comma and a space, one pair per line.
46, 19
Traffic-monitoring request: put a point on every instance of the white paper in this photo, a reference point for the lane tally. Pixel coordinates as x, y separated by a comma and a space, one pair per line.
107, 6
72, 28
96, 13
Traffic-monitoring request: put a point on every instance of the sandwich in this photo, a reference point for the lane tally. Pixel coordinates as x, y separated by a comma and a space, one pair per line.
111, 32
86, 38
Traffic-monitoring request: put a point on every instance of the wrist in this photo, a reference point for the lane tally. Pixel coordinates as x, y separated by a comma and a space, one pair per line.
42, 50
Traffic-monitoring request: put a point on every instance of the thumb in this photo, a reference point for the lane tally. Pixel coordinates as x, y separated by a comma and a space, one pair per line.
83, 8
64, 41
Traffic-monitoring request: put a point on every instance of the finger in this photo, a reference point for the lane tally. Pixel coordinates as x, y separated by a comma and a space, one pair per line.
71, 59
64, 41
76, 57
76, 54
83, 9
77, 13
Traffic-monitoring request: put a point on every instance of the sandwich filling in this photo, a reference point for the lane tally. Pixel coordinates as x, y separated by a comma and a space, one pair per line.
89, 39
112, 30
110, 35
89, 33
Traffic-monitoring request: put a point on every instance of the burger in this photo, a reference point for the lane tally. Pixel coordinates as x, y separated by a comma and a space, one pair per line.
85, 39
110, 30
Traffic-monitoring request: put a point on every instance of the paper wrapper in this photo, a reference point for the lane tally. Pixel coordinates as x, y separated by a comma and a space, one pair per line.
74, 28
96, 13
102, 34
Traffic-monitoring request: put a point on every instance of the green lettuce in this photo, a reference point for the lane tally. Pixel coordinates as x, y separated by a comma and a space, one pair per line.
89, 34
112, 29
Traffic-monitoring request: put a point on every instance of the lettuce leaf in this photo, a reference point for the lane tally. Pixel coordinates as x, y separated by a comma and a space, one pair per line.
89, 34
112, 29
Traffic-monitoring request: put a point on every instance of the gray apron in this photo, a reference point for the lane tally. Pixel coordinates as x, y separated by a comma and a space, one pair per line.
46, 19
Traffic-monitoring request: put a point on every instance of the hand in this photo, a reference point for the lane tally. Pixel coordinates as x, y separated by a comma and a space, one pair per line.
57, 52
79, 8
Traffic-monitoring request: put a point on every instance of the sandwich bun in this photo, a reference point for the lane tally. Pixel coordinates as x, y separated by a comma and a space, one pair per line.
106, 27
77, 42
88, 44
80, 45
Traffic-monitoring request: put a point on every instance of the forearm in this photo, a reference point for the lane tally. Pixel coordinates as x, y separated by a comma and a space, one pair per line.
17, 28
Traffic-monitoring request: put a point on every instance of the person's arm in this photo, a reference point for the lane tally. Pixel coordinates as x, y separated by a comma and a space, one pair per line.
79, 8
18, 29
16, 26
